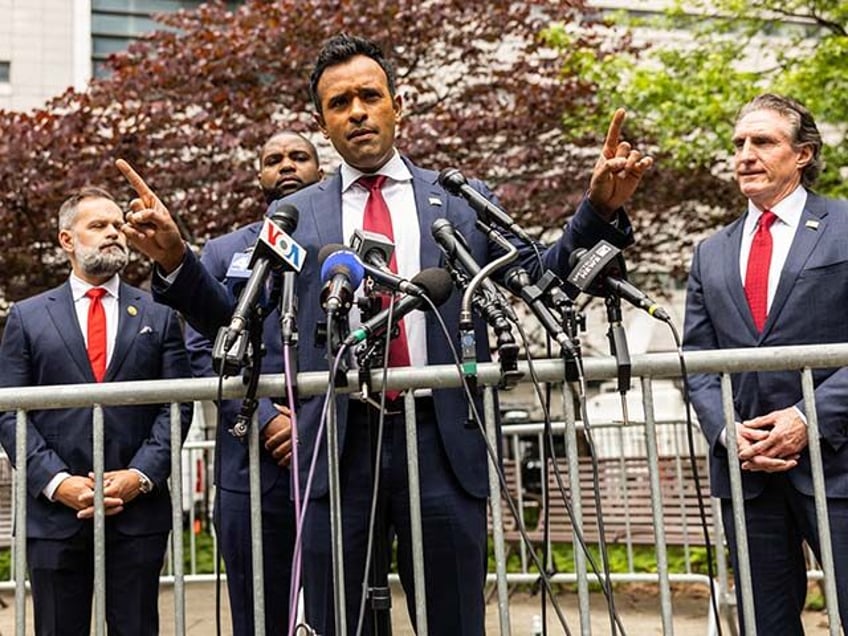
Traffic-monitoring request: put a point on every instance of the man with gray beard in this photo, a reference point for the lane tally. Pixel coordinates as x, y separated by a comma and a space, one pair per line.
94, 328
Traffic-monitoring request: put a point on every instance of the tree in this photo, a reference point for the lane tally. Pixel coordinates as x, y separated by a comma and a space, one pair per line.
684, 92
190, 106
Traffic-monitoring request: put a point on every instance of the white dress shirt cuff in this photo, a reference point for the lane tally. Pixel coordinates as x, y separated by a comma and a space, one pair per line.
53, 484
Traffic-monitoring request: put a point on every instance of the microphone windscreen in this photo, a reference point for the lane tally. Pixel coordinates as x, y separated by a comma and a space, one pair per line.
451, 180
286, 216
576, 255
436, 283
330, 248
343, 262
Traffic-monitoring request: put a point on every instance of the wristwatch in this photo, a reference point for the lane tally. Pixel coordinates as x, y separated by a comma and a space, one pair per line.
144, 483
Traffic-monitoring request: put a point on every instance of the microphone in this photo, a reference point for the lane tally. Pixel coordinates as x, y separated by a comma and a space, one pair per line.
455, 247
436, 285
274, 249
375, 252
341, 273
517, 280
600, 271
454, 182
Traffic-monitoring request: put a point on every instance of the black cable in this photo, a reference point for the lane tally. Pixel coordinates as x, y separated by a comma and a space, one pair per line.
607, 586
690, 442
219, 425
375, 492
493, 456
576, 529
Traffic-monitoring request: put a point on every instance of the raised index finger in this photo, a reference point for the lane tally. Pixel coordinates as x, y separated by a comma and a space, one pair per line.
147, 196
614, 133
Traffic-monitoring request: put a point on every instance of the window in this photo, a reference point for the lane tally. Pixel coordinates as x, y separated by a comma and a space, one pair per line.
116, 23
5, 70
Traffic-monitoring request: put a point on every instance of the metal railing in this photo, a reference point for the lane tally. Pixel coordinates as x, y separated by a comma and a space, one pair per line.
648, 367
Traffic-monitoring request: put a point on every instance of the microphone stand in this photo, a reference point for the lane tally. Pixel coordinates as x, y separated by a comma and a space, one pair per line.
467, 338
378, 592
618, 345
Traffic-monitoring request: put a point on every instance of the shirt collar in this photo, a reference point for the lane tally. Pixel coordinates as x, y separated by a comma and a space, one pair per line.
788, 210
79, 287
395, 169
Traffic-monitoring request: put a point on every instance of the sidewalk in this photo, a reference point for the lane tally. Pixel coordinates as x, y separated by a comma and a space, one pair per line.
638, 608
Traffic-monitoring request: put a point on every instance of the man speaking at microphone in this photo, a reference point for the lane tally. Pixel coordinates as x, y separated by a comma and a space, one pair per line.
377, 189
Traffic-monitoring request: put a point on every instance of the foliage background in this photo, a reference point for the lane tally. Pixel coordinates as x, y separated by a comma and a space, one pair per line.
519, 94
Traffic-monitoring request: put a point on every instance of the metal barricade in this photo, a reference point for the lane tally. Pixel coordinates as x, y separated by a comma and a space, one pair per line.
648, 367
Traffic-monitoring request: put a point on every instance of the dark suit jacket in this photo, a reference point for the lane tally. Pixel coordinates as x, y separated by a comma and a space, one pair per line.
43, 345
809, 308
233, 474
207, 304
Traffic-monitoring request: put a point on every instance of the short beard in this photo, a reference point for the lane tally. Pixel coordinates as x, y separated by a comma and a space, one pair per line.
95, 262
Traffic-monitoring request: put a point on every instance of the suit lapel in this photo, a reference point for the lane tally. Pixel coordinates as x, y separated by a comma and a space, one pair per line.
130, 319
430, 202
327, 211
62, 313
804, 242
732, 279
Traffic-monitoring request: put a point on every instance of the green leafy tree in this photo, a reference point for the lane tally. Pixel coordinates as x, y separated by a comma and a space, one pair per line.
704, 59
190, 106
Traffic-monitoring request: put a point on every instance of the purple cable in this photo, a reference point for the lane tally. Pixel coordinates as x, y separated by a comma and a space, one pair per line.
301, 515
295, 575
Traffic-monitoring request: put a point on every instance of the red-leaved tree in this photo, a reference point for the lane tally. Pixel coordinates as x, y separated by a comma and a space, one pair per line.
190, 107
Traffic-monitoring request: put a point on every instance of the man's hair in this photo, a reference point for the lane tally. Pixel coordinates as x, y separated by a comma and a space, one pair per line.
804, 129
289, 133
339, 49
69, 208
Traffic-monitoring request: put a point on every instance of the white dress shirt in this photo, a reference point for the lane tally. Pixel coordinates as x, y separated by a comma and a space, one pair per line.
111, 308
788, 212
400, 199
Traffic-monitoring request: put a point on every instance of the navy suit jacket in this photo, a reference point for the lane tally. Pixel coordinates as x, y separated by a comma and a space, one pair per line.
808, 308
208, 305
233, 456
43, 345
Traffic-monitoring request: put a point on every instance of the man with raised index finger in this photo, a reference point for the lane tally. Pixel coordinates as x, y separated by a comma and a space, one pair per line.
358, 110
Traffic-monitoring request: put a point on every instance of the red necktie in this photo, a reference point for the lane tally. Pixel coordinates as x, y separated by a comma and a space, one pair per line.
97, 332
377, 219
757, 273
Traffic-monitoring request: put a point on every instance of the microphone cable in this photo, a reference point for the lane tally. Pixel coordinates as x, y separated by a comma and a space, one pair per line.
313, 461
493, 456
577, 530
699, 494
375, 491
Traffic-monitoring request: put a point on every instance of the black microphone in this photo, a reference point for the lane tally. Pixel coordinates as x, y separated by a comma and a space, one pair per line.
341, 273
518, 281
456, 248
375, 251
274, 249
437, 286
454, 182
600, 271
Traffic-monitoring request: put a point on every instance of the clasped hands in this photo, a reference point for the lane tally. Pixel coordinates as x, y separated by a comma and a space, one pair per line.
773, 442
119, 488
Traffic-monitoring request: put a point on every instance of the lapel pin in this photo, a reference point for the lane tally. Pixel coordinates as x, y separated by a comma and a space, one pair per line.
131, 310
434, 201
813, 225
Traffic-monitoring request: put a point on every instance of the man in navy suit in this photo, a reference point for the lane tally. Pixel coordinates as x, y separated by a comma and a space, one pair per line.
796, 294
288, 161
358, 110
61, 337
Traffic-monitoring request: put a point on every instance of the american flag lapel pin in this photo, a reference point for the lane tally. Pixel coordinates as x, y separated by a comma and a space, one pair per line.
813, 225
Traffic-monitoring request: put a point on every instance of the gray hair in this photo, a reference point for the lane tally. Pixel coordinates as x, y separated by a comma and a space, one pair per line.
69, 208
